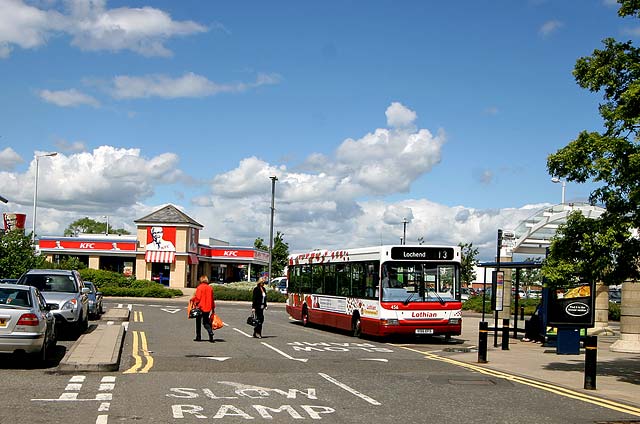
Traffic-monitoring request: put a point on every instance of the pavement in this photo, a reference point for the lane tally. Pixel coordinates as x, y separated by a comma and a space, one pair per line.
617, 374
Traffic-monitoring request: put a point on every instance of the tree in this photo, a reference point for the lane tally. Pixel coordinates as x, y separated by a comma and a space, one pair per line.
17, 255
468, 263
606, 249
611, 158
87, 225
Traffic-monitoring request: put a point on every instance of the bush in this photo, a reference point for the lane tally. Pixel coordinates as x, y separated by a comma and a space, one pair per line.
614, 311
115, 284
243, 292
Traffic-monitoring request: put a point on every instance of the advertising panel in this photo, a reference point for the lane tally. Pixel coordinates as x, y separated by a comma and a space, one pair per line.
161, 238
14, 221
572, 306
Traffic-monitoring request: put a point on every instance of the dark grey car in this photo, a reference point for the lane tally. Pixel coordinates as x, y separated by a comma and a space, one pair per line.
64, 292
95, 300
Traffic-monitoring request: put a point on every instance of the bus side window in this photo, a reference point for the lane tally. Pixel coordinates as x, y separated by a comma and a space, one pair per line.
343, 279
357, 280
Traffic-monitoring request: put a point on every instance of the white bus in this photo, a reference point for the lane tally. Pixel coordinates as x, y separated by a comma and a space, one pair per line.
380, 291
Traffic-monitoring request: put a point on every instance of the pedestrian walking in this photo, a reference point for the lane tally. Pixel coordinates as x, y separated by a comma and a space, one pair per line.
205, 300
258, 306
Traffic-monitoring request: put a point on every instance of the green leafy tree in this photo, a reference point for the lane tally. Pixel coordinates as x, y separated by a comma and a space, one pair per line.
604, 249
469, 261
87, 225
17, 254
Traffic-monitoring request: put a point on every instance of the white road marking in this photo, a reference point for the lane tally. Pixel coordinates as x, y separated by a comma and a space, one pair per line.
102, 419
349, 389
375, 359
171, 311
73, 387
77, 379
242, 332
217, 358
284, 354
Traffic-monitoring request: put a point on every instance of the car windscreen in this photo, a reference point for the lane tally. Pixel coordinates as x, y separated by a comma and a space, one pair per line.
14, 297
50, 283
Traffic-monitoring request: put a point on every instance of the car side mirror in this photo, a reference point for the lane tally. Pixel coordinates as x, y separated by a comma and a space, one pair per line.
99, 293
85, 290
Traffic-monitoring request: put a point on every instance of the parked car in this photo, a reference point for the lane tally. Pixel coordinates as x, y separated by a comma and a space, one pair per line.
615, 296
95, 300
534, 294
64, 292
8, 280
26, 322
280, 284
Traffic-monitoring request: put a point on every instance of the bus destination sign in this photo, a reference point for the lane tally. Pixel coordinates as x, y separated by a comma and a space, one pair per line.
420, 253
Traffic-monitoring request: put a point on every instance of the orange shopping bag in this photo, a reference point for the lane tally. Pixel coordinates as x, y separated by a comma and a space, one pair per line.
216, 322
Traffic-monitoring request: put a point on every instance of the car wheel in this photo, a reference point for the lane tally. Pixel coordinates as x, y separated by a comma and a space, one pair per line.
43, 355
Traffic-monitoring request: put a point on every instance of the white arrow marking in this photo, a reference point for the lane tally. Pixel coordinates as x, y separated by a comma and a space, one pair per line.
374, 359
284, 354
171, 311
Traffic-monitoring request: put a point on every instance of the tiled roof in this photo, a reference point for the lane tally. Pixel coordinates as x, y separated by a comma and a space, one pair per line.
168, 215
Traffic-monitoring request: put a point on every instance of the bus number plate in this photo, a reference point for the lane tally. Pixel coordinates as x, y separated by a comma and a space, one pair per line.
424, 330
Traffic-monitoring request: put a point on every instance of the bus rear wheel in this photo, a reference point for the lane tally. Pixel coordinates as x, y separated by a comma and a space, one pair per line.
305, 317
356, 327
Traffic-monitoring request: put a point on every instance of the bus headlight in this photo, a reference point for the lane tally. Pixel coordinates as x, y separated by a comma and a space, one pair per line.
391, 321
454, 321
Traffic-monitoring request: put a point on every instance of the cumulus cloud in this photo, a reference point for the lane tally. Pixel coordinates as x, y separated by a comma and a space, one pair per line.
92, 27
103, 179
68, 98
9, 159
399, 116
188, 85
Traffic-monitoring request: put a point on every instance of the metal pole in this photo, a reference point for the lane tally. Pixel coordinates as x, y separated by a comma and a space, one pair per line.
483, 332
273, 194
590, 362
35, 194
404, 230
495, 291
35, 201
505, 334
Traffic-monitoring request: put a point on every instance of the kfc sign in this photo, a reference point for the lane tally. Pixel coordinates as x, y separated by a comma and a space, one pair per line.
87, 245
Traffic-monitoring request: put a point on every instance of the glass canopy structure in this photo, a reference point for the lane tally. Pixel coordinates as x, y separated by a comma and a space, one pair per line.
533, 235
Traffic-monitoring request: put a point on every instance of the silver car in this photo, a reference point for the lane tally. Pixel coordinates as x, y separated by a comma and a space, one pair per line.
26, 324
64, 292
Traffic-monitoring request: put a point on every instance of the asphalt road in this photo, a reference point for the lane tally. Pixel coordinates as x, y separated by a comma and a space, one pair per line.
293, 374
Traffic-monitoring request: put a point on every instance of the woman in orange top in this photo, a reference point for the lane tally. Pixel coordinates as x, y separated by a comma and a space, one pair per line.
204, 299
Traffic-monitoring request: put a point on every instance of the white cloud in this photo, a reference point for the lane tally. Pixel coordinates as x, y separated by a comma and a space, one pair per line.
92, 27
550, 27
9, 159
104, 179
70, 146
188, 85
399, 116
68, 98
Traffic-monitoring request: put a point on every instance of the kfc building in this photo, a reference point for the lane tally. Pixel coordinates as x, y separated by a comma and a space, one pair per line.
166, 248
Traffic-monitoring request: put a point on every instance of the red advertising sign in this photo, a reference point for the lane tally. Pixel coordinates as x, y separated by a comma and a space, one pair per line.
227, 253
14, 221
161, 238
87, 245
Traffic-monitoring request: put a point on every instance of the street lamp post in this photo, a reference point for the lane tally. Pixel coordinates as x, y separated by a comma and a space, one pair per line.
273, 195
106, 232
404, 230
564, 185
35, 194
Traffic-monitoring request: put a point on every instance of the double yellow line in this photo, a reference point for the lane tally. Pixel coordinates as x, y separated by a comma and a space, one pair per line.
140, 344
605, 403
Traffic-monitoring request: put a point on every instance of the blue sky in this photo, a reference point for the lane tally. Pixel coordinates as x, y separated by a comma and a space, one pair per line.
368, 112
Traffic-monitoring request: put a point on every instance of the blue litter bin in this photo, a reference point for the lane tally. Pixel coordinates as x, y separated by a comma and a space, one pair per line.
568, 342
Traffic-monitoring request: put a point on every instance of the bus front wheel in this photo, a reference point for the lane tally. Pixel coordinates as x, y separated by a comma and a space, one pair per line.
356, 327
305, 317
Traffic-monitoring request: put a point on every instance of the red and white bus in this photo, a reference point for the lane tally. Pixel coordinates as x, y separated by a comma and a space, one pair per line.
379, 290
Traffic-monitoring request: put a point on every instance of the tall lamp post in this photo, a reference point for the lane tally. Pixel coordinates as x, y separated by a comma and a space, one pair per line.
35, 194
273, 195
106, 232
404, 230
564, 185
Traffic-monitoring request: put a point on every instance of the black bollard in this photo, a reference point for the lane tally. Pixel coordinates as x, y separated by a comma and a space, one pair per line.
505, 334
522, 313
590, 362
483, 334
